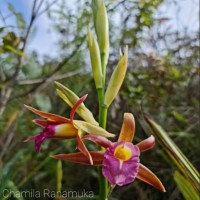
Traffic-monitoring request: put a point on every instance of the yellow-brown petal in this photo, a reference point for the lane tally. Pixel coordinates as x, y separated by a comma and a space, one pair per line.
97, 157
81, 146
92, 129
147, 143
128, 128
41, 122
150, 178
49, 116
99, 140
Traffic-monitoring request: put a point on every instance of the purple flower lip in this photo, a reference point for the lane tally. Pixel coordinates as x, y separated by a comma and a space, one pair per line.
48, 132
121, 163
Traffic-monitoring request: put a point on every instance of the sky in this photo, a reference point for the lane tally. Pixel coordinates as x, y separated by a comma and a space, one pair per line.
44, 38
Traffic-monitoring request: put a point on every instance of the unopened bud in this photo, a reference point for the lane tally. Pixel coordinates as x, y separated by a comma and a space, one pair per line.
71, 98
116, 79
101, 26
95, 60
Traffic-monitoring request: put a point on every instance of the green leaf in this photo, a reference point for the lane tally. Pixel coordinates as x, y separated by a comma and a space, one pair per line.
185, 187
178, 116
11, 49
21, 23
173, 151
174, 72
11, 8
9, 39
1, 29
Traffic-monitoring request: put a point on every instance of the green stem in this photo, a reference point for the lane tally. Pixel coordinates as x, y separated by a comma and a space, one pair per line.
103, 184
102, 108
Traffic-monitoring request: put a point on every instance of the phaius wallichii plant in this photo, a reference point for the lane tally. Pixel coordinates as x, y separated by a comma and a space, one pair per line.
119, 161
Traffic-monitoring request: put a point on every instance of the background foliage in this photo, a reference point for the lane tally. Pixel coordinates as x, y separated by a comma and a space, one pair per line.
162, 80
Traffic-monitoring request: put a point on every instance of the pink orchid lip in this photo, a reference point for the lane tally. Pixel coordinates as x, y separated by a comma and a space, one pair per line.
117, 171
48, 132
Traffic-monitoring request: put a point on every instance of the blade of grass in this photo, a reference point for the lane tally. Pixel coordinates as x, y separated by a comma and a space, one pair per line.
173, 151
185, 187
59, 176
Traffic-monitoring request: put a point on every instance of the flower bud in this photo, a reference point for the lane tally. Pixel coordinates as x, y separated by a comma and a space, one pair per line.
101, 26
116, 79
95, 60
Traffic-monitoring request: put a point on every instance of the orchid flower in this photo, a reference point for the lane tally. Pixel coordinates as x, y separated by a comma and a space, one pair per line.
55, 126
120, 160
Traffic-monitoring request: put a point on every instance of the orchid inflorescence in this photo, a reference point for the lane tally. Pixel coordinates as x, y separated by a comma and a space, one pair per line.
119, 160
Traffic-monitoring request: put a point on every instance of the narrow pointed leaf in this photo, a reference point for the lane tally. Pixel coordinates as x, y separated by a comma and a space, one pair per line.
147, 144
128, 128
175, 153
92, 129
185, 187
97, 157
146, 175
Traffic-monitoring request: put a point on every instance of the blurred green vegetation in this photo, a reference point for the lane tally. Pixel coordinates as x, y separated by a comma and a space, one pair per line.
162, 80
